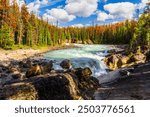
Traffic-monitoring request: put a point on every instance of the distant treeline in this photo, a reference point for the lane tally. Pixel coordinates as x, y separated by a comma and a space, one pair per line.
19, 27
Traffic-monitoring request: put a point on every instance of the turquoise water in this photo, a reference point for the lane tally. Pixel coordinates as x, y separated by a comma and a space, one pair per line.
85, 56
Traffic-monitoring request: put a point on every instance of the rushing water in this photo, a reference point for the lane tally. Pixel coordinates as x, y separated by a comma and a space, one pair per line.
85, 56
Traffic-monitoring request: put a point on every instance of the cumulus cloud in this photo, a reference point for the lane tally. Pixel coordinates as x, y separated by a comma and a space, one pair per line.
145, 1
102, 16
49, 18
34, 6
82, 8
77, 25
142, 4
121, 10
61, 15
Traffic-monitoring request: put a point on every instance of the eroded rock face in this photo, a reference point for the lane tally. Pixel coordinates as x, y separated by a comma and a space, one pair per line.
66, 64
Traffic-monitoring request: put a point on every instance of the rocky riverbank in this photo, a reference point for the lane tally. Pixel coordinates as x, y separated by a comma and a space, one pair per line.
33, 78
127, 57
132, 76
36, 79
27, 76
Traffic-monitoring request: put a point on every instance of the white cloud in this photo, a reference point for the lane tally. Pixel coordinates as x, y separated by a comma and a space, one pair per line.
61, 15
34, 6
49, 18
121, 10
102, 16
82, 8
77, 25
19, 2
142, 4
145, 1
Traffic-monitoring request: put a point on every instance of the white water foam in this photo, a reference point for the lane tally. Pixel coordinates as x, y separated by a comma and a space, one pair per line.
86, 56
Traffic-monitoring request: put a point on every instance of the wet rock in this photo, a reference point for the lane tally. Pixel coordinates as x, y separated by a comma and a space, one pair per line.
124, 72
33, 71
112, 51
83, 73
53, 86
66, 64
47, 66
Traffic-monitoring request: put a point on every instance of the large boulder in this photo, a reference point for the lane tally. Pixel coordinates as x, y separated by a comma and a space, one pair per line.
122, 61
47, 66
19, 91
66, 64
34, 71
83, 73
61, 86
112, 61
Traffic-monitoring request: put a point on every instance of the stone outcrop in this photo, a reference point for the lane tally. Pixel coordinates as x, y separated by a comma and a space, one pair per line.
66, 64
84, 73
40, 82
132, 85
125, 59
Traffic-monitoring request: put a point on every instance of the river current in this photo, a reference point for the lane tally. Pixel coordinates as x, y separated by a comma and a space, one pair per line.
84, 56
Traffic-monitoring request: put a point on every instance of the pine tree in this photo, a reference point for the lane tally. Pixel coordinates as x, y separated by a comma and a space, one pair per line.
142, 31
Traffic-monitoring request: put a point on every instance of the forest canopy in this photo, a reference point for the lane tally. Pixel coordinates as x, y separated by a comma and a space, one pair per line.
19, 27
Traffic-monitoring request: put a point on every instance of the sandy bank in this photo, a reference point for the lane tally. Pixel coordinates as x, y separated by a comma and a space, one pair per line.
20, 54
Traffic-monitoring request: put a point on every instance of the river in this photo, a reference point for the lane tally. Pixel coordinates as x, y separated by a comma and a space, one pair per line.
84, 56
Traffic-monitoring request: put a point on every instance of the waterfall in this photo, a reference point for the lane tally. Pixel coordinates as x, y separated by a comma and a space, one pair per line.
85, 56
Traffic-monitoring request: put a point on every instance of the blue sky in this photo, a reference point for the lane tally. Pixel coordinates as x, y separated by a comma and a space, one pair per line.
85, 12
